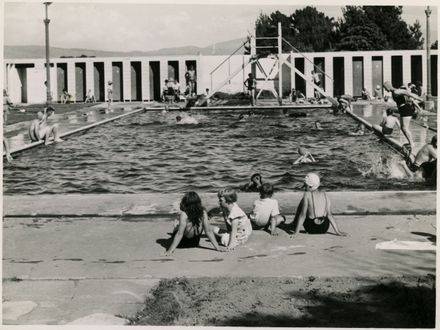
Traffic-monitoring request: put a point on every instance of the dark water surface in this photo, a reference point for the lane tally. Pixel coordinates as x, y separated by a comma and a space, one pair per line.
150, 152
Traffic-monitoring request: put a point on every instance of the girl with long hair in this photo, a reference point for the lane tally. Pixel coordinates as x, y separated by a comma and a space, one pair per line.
193, 220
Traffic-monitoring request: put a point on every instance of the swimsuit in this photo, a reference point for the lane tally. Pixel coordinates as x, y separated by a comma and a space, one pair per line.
429, 168
190, 242
405, 109
317, 225
387, 131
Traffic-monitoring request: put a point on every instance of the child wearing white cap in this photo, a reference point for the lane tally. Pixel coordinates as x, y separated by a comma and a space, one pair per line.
314, 210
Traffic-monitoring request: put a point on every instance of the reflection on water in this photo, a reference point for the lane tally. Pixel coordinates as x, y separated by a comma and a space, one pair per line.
150, 152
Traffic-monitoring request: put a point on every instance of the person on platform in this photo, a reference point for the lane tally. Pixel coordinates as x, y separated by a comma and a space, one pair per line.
250, 83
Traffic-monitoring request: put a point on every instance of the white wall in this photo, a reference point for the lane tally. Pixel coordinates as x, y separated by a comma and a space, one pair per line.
205, 65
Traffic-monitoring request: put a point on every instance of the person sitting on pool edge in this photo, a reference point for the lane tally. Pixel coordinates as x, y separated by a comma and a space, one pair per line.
266, 214
314, 210
388, 122
305, 156
254, 184
193, 220
40, 128
238, 225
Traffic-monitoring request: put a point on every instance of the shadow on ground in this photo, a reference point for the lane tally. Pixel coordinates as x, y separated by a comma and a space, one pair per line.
385, 302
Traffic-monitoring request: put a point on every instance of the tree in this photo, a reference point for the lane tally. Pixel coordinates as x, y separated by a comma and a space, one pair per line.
384, 24
312, 30
306, 29
358, 32
435, 45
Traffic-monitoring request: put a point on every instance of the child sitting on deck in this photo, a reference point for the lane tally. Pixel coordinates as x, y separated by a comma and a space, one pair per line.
314, 210
238, 225
266, 212
388, 122
193, 219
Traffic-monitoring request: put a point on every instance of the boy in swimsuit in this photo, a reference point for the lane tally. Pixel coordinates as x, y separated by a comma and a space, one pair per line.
305, 156
254, 184
40, 128
388, 123
266, 213
250, 84
238, 225
193, 220
314, 210
425, 162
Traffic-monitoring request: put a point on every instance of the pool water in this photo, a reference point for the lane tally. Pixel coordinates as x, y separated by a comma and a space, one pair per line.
151, 152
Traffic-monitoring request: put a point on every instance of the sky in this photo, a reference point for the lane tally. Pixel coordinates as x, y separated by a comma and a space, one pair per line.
144, 26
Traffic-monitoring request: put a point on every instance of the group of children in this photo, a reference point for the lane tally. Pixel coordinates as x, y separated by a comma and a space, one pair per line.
313, 214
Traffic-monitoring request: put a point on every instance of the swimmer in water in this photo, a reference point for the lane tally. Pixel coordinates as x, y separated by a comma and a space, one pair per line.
305, 156
424, 163
318, 126
359, 131
187, 119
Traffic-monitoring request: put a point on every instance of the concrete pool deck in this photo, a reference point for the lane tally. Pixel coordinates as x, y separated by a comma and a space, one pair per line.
61, 268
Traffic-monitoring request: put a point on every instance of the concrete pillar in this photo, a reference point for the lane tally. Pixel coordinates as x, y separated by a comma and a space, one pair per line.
424, 75
348, 72
406, 67
387, 67
368, 73
145, 90
71, 79
292, 72
90, 82
329, 74
54, 83
164, 73
182, 71
126, 78
308, 67
108, 76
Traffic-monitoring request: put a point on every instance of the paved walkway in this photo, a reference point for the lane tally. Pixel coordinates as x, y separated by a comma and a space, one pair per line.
87, 270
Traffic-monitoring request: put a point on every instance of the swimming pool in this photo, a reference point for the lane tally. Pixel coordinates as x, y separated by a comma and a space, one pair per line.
150, 152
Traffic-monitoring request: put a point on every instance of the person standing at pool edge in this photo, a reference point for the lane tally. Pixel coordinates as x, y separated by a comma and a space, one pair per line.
109, 95
403, 97
250, 84
314, 210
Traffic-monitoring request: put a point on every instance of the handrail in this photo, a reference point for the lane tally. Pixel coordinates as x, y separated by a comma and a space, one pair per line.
227, 58
295, 49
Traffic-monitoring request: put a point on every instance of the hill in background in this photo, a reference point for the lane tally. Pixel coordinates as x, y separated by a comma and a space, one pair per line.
22, 52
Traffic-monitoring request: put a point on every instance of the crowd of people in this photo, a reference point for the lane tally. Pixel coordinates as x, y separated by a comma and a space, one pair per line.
313, 215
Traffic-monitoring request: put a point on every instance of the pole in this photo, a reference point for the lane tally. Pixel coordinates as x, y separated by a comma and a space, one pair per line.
280, 63
46, 24
428, 104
